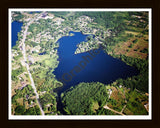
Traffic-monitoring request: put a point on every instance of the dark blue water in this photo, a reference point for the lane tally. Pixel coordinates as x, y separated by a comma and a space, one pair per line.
42, 53
34, 12
16, 27
102, 68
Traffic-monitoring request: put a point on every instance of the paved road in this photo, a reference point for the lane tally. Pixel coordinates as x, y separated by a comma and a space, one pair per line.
27, 66
106, 107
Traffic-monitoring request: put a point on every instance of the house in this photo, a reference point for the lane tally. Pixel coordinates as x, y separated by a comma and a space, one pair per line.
27, 97
120, 86
30, 59
23, 85
110, 92
44, 14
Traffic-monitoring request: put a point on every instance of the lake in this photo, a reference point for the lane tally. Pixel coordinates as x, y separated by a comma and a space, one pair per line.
101, 68
16, 27
34, 12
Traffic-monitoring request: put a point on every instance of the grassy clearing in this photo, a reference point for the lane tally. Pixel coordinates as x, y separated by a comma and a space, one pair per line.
131, 32
133, 47
95, 106
117, 99
50, 62
20, 101
127, 111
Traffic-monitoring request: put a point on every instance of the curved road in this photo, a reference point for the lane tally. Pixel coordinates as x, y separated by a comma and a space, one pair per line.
27, 66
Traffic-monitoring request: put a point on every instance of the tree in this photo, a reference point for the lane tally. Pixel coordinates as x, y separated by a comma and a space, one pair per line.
80, 99
19, 110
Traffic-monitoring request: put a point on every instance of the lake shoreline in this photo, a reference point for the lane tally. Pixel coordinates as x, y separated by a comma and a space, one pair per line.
80, 59
18, 25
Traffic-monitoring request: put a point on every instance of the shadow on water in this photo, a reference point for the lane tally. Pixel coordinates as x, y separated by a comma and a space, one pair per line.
59, 100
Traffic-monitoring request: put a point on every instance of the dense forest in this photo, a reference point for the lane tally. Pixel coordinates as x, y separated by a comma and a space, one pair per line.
140, 81
81, 100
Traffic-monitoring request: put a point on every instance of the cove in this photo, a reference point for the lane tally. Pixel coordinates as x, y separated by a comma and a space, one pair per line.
16, 27
102, 68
